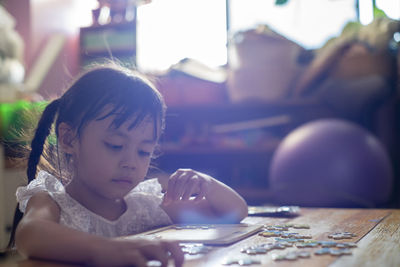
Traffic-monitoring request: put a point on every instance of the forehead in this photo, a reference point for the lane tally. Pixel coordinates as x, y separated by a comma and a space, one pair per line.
145, 128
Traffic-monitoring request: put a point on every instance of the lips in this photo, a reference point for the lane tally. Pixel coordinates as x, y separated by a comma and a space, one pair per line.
123, 180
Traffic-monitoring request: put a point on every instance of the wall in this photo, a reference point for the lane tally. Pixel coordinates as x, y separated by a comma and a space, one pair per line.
37, 20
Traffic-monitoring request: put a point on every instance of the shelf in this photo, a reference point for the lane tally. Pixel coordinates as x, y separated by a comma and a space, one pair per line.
111, 25
110, 40
104, 52
282, 103
299, 110
167, 149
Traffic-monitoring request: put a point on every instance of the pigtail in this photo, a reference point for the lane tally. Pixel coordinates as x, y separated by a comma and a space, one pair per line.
42, 132
38, 141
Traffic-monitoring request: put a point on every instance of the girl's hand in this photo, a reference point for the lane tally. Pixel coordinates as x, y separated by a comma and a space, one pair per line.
195, 197
136, 252
185, 183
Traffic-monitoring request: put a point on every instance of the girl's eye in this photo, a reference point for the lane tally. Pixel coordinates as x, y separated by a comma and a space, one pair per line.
113, 147
144, 153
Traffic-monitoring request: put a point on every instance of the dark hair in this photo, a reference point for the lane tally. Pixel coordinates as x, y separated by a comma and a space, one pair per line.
127, 93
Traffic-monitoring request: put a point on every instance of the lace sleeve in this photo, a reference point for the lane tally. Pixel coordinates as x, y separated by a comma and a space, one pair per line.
150, 186
44, 182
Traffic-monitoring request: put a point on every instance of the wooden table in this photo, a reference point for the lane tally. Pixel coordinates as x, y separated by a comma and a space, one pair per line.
377, 230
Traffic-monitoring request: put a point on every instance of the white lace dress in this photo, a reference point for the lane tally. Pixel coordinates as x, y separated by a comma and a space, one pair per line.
143, 208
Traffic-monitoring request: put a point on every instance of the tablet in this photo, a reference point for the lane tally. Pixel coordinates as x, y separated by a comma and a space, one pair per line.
209, 234
269, 211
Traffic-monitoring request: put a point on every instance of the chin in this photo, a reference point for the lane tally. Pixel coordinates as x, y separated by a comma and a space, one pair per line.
119, 193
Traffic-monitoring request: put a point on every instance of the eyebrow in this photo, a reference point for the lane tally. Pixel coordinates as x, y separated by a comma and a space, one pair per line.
123, 135
149, 141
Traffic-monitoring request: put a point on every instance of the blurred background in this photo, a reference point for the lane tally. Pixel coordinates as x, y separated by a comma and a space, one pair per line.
253, 89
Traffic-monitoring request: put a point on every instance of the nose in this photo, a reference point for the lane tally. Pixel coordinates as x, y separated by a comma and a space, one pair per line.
129, 161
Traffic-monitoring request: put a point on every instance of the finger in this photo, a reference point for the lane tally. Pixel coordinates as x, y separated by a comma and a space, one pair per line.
192, 187
199, 197
177, 180
181, 185
155, 252
202, 191
163, 181
176, 252
171, 186
137, 259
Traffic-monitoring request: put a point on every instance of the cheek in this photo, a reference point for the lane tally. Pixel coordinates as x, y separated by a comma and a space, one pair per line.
96, 160
144, 167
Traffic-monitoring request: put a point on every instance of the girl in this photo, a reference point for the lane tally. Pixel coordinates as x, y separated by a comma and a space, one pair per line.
107, 127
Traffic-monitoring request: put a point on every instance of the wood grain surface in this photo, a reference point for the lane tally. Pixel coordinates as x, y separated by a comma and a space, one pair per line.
377, 230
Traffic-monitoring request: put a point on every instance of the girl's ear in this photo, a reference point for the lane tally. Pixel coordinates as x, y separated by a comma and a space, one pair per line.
66, 138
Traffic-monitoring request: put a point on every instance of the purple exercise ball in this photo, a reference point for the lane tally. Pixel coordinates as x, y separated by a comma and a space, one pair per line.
331, 163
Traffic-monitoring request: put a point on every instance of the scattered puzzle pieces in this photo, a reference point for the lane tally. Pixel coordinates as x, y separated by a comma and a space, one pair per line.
284, 239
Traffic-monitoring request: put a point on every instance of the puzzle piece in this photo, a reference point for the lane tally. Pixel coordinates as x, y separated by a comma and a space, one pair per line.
254, 250
291, 256
264, 248
230, 261
241, 262
285, 243
340, 252
333, 251
276, 227
289, 235
270, 233
327, 244
244, 262
307, 244
278, 245
295, 235
303, 254
322, 251
290, 240
343, 235
346, 245
285, 227
194, 249
301, 226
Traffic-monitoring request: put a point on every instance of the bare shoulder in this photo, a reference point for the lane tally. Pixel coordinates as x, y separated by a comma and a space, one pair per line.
41, 205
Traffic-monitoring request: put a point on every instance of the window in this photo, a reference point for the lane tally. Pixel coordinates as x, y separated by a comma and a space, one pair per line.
170, 30
310, 23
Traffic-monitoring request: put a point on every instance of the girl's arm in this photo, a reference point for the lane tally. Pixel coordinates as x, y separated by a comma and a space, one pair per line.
39, 235
215, 202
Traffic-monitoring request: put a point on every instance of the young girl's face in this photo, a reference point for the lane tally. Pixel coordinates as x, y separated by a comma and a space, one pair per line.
109, 162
